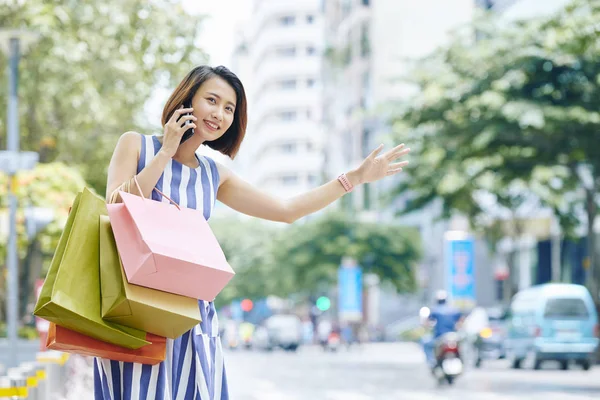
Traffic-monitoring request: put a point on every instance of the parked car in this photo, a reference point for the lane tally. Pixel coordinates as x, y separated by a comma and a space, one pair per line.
555, 322
281, 330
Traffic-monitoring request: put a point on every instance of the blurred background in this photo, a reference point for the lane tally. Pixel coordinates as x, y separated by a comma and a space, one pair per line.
499, 101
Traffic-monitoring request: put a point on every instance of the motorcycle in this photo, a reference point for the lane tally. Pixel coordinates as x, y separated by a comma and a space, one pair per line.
448, 362
332, 343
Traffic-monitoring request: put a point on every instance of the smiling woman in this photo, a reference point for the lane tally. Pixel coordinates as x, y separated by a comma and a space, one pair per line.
194, 367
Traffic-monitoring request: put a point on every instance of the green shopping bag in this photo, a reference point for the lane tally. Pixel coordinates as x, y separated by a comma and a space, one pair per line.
70, 296
153, 311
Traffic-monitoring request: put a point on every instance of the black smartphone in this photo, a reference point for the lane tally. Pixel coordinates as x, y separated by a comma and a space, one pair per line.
190, 132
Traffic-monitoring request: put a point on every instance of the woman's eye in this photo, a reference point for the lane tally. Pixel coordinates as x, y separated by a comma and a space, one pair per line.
211, 100
230, 109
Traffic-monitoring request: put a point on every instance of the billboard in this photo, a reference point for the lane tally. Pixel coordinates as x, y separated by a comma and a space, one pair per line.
350, 292
459, 257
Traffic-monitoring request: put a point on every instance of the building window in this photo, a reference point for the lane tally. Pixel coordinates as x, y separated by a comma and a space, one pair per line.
310, 19
347, 55
289, 179
287, 84
288, 148
365, 2
287, 20
346, 7
367, 196
367, 139
310, 83
366, 96
287, 115
311, 51
286, 52
365, 41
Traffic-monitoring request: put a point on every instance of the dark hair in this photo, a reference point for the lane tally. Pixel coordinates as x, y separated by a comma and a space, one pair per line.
228, 144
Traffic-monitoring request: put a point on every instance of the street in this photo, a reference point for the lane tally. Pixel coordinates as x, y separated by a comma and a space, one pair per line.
392, 371
378, 371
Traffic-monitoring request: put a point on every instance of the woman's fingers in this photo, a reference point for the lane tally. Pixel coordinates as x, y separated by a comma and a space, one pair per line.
390, 152
398, 164
398, 154
375, 152
184, 120
177, 114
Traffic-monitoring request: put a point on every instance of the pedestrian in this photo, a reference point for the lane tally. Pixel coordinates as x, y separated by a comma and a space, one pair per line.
212, 102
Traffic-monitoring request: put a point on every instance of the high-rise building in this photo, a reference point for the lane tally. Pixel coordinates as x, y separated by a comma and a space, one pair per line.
371, 46
278, 57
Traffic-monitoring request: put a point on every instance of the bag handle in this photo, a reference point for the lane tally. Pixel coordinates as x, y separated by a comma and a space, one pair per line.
161, 193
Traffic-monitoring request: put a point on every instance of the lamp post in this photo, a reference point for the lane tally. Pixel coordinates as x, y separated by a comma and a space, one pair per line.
12, 161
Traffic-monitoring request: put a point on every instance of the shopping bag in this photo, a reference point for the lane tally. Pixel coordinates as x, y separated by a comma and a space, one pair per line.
167, 247
150, 310
70, 296
63, 339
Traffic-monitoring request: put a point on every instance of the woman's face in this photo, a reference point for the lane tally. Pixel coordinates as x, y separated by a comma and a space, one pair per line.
214, 106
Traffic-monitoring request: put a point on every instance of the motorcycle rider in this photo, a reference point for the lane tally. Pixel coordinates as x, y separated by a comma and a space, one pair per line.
445, 319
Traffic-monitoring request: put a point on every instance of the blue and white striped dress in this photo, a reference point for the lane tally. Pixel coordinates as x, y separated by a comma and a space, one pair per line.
193, 368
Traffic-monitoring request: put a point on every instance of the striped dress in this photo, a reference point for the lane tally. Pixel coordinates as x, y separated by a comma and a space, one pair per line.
193, 368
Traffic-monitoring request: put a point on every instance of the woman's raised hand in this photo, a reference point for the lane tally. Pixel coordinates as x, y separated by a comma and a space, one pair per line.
376, 167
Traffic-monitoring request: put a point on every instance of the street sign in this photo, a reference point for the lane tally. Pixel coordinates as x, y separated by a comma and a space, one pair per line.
12, 161
460, 269
350, 293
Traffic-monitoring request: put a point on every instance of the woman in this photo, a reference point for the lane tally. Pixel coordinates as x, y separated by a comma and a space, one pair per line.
194, 367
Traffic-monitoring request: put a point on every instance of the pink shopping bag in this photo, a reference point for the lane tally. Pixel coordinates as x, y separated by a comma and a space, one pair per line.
167, 247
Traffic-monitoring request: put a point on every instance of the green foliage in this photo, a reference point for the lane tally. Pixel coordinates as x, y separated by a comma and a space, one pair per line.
86, 81
506, 120
52, 186
248, 248
24, 332
281, 260
315, 250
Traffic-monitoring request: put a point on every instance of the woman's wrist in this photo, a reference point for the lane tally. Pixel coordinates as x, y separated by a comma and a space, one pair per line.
163, 155
354, 177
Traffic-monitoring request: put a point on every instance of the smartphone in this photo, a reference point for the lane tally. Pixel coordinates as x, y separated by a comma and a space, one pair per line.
190, 132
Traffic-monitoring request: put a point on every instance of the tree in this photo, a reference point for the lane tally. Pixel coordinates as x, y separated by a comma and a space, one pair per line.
52, 186
516, 109
282, 260
88, 78
310, 253
248, 247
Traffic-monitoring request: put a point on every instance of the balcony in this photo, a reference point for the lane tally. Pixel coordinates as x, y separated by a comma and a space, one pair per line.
271, 102
279, 68
275, 133
266, 11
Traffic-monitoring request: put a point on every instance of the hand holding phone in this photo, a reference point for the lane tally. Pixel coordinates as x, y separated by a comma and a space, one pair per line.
190, 132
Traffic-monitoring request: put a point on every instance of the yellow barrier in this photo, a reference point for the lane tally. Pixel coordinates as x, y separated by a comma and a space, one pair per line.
14, 391
13, 386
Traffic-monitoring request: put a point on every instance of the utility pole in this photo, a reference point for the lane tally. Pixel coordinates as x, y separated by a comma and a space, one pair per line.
11, 162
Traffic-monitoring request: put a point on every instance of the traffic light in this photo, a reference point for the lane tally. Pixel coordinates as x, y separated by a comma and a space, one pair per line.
323, 303
247, 305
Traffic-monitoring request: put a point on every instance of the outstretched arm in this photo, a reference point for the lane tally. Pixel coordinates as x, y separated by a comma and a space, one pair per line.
247, 199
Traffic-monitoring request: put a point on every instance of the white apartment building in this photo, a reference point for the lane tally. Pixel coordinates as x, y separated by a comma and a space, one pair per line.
278, 57
369, 45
